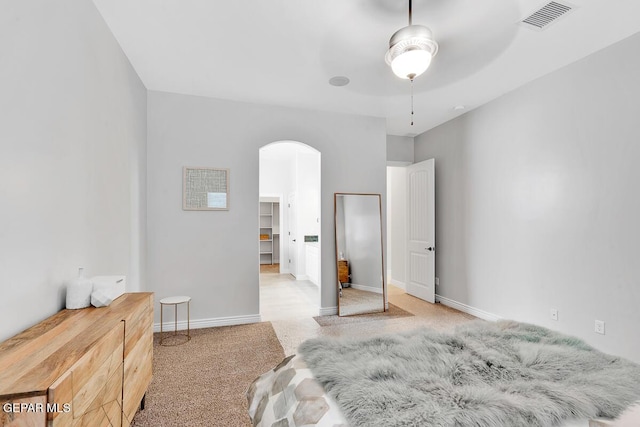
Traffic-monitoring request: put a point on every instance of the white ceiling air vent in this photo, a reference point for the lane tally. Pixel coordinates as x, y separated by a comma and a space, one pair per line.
542, 18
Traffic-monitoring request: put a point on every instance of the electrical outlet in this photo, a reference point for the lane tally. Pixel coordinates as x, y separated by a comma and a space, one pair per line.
600, 327
437, 281
554, 314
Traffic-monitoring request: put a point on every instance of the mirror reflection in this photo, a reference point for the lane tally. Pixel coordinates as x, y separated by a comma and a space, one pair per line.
358, 223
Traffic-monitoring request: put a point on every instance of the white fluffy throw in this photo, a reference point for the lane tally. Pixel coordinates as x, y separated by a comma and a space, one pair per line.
487, 374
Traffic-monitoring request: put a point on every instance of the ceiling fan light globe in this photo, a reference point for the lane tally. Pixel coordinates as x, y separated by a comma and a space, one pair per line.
411, 63
410, 51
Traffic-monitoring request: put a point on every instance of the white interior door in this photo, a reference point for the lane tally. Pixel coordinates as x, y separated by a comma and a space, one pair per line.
421, 230
292, 234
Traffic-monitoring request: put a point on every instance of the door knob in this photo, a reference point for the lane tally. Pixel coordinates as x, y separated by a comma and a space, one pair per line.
431, 248
294, 240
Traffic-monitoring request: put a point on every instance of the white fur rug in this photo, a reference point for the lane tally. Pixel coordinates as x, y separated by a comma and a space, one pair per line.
487, 374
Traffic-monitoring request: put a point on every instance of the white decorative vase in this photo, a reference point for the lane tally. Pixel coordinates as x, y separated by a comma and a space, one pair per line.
79, 292
100, 299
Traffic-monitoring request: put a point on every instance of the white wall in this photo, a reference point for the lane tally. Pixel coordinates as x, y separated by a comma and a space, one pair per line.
308, 202
400, 149
287, 167
340, 238
212, 256
277, 177
72, 157
396, 225
308, 190
537, 201
362, 239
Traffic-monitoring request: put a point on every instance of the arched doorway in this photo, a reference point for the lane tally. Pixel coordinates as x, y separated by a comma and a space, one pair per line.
289, 249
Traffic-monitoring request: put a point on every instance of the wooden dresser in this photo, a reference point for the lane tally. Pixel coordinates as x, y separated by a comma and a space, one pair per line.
87, 367
343, 271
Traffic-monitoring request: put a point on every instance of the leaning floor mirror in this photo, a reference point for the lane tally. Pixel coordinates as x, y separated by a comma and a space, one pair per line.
360, 270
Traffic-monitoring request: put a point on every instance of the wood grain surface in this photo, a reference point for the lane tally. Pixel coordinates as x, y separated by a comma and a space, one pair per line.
80, 357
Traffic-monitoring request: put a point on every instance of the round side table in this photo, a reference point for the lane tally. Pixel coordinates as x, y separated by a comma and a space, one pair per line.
175, 301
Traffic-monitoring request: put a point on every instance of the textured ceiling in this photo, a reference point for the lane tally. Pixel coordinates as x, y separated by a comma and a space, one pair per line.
283, 52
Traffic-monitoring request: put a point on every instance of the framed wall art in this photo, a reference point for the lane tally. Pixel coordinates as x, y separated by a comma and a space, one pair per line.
205, 189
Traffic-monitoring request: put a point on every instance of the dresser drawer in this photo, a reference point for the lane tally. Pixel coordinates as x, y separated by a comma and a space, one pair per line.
137, 374
76, 365
93, 385
137, 327
20, 418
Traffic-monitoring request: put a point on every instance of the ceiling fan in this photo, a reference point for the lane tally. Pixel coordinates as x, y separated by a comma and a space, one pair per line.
411, 50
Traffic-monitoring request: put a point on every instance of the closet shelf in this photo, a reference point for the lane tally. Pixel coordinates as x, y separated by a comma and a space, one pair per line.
269, 215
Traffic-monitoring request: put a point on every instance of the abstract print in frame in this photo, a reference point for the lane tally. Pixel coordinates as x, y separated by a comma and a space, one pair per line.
205, 189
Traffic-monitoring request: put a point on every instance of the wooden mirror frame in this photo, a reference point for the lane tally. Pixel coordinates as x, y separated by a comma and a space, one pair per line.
337, 256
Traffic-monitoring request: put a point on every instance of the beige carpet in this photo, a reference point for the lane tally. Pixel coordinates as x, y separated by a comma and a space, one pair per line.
357, 301
292, 332
202, 382
394, 312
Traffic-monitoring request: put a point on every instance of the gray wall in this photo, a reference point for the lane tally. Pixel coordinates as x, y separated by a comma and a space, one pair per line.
72, 157
537, 201
213, 256
362, 239
341, 239
400, 149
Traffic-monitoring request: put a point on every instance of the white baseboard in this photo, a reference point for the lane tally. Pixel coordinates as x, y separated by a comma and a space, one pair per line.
467, 309
207, 323
328, 311
366, 288
302, 277
398, 284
